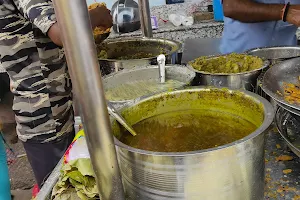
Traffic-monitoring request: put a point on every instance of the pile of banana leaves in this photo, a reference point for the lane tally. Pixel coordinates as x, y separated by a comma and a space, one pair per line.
76, 182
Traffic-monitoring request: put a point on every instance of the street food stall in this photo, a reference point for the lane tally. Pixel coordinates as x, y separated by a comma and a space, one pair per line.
200, 131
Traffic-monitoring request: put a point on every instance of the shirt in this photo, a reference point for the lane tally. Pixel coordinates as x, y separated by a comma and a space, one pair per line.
2, 70
239, 37
37, 69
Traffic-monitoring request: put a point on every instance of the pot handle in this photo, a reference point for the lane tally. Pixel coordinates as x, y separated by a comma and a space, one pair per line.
121, 2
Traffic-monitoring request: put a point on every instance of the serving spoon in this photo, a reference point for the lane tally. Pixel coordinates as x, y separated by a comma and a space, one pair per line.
112, 111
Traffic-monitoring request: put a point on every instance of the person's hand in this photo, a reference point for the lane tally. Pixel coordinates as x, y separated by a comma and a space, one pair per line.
293, 15
101, 17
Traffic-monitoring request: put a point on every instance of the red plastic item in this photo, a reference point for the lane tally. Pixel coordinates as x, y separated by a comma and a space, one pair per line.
35, 190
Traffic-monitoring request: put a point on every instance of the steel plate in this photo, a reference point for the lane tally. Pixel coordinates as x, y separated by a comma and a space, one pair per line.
289, 128
287, 71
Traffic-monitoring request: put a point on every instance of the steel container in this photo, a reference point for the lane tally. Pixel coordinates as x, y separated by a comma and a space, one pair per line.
288, 126
244, 80
275, 55
233, 171
130, 46
173, 72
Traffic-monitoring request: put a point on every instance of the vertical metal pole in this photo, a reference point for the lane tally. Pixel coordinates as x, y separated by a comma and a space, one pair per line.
79, 46
145, 18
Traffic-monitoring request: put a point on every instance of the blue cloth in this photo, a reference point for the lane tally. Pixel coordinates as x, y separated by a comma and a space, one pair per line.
4, 177
239, 37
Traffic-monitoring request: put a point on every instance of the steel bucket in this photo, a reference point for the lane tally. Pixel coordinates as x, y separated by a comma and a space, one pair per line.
233, 171
129, 46
244, 80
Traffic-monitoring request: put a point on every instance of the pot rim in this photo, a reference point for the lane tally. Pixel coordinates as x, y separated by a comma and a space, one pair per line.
268, 119
265, 65
271, 48
177, 46
120, 73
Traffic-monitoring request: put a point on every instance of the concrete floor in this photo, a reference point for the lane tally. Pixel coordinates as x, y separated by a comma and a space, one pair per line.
21, 176
21, 194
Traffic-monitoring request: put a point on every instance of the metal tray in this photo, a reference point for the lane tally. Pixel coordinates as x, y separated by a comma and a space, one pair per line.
287, 71
289, 128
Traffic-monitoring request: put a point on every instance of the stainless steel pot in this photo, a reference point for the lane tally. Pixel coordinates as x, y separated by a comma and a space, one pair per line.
245, 80
129, 46
275, 55
233, 171
173, 72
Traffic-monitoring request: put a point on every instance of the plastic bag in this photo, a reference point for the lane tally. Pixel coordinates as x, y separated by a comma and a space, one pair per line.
181, 19
78, 148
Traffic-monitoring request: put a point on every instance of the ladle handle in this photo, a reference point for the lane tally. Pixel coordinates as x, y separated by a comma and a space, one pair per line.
161, 61
119, 118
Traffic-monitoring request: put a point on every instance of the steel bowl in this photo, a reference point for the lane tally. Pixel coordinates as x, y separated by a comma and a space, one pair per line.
275, 55
174, 72
128, 46
244, 80
274, 79
231, 171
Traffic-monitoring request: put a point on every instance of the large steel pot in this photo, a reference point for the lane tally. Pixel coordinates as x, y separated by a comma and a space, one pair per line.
173, 72
244, 80
233, 171
275, 55
129, 46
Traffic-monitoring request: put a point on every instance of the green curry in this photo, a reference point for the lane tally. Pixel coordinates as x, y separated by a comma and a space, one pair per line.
227, 64
190, 120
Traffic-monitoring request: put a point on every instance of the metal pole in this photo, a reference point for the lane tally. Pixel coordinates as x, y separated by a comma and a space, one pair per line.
79, 46
145, 18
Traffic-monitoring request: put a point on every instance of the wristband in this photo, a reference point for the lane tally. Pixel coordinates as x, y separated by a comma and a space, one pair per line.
285, 11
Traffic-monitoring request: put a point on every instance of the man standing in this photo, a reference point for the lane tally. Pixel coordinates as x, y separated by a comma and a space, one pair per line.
259, 23
31, 53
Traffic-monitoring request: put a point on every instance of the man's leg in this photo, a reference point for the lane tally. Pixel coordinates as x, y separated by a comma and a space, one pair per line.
4, 84
43, 157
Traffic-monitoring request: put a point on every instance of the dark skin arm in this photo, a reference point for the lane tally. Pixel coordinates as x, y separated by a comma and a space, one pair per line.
249, 11
99, 16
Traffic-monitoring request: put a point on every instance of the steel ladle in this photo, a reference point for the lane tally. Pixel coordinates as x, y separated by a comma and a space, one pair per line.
112, 111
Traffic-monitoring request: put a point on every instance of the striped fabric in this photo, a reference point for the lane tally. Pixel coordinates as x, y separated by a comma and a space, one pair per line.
38, 70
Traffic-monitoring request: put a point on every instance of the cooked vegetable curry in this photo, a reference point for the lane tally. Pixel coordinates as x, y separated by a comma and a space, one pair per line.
292, 92
98, 30
130, 56
227, 64
188, 130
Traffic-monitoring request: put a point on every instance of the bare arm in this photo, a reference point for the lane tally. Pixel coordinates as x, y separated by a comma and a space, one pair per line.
54, 35
249, 11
